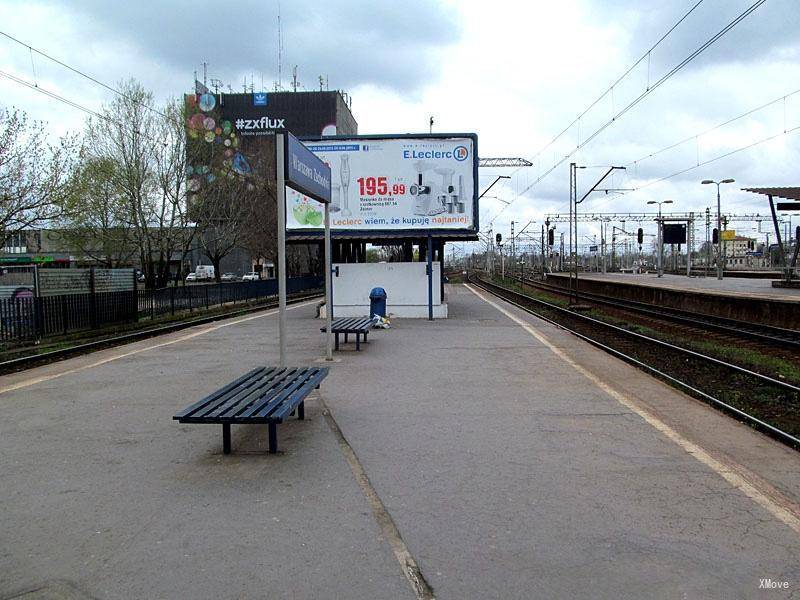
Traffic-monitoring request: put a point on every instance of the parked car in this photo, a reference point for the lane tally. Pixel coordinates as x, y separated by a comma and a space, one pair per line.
251, 276
191, 277
229, 277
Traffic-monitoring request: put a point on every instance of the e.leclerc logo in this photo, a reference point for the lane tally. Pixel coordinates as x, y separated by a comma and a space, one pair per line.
459, 153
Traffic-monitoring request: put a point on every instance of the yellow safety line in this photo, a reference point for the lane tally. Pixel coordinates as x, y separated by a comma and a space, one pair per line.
781, 507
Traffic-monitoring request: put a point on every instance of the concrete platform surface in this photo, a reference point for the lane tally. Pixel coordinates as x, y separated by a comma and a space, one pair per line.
730, 286
514, 460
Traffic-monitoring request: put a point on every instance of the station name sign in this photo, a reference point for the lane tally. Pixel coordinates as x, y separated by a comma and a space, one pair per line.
305, 172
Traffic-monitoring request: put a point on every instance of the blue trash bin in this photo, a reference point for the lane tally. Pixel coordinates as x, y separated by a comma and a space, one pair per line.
377, 302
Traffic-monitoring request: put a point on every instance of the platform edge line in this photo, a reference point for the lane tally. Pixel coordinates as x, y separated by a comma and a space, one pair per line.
781, 507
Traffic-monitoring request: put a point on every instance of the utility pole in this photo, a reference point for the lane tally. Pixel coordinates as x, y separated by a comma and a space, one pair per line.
544, 268
513, 253
708, 240
573, 231
720, 248
613, 247
573, 187
724, 243
603, 227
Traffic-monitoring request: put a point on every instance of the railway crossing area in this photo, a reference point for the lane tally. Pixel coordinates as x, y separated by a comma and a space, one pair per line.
488, 455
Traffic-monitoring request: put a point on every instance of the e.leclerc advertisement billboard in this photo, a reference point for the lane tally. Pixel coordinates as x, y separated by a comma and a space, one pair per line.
393, 183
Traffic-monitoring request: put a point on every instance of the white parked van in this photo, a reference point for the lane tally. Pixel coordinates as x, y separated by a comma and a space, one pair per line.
204, 272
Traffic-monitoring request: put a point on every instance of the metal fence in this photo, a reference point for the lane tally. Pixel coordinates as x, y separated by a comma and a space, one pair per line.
31, 319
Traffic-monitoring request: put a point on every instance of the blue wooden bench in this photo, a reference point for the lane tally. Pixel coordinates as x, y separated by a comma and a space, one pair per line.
264, 395
347, 325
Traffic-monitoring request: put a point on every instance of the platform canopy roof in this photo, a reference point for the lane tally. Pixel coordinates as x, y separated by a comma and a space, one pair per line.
790, 193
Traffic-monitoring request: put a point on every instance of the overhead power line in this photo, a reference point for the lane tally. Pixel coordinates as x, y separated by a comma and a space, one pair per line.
646, 55
53, 95
82, 74
702, 164
73, 104
715, 127
671, 73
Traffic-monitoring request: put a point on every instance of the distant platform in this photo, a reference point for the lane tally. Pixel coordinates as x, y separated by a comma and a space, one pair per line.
753, 300
730, 286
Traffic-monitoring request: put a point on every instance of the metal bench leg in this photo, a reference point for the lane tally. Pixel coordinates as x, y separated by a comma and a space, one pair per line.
226, 438
273, 438
358, 338
301, 411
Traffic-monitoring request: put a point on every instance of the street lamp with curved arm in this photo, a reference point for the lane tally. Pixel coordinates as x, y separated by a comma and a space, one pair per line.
660, 238
720, 257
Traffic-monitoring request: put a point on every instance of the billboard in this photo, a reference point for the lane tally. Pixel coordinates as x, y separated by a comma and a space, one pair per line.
411, 183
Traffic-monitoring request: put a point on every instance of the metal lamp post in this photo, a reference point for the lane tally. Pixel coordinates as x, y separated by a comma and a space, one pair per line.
719, 223
660, 239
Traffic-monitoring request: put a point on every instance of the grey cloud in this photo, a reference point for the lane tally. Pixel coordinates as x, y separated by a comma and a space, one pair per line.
770, 28
354, 42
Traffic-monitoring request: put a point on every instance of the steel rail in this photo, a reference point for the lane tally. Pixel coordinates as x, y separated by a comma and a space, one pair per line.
778, 433
766, 333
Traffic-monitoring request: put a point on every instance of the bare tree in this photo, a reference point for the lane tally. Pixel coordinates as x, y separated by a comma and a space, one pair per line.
222, 211
259, 235
147, 148
33, 173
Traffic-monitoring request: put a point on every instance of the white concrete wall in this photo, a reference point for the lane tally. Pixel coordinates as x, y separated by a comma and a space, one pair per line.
406, 286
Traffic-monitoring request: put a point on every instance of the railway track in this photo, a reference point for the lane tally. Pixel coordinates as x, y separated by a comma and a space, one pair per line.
774, 336
766, 403
35, 360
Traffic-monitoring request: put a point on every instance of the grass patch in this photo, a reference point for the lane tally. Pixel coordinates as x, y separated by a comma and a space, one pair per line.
747, 357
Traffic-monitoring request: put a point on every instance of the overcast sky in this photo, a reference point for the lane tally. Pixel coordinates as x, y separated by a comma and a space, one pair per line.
516, 73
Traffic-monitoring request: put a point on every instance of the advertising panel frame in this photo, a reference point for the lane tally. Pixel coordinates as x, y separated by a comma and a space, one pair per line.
461, 234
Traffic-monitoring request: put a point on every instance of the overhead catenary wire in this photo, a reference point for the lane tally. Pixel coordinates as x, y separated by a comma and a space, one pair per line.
81, 73
718, 126
697, 166
695, 136
666, 77
610, 89
53, 95
72, 103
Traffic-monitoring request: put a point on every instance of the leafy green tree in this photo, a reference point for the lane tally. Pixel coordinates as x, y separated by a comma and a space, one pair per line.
97, 224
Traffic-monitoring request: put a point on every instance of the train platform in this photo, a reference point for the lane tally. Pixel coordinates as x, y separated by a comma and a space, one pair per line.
750, 300
489, 455
729, 286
